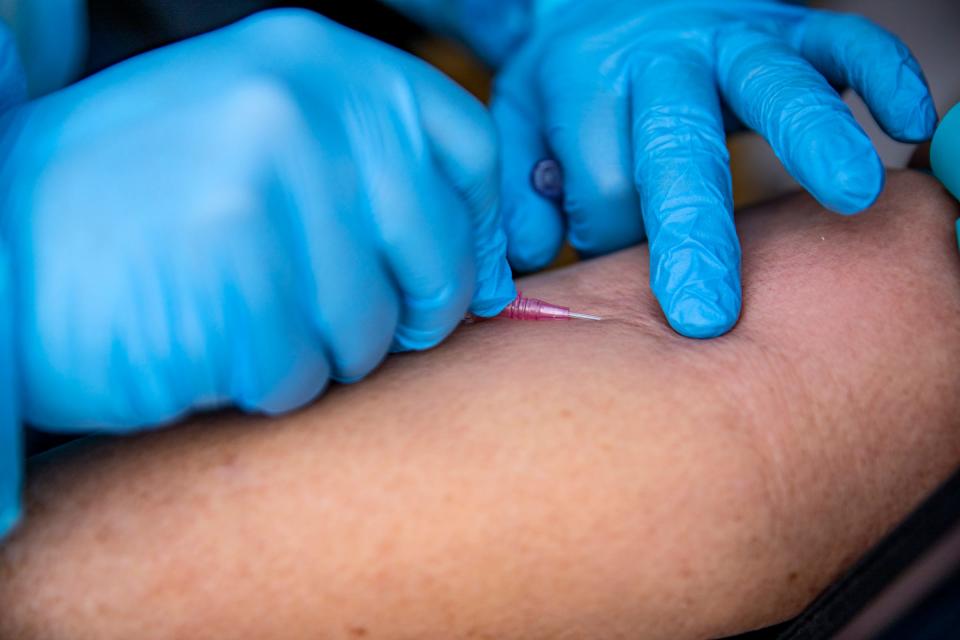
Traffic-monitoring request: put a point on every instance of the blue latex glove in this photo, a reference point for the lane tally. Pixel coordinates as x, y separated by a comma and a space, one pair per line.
240, 217
13, 86
52, 37
628, 95
945, 155
11, 446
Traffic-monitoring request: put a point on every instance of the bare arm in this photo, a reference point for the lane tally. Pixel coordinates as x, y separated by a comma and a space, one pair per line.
602, 480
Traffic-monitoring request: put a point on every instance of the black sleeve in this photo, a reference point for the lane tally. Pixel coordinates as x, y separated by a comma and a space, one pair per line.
907, 587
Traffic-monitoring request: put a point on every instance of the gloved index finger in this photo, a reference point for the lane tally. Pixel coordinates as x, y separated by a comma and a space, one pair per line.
683, 176
11, 443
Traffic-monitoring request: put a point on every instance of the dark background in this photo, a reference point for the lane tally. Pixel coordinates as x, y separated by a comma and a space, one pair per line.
122, 29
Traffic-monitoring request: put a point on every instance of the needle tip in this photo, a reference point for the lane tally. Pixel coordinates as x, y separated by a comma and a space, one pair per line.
584, 316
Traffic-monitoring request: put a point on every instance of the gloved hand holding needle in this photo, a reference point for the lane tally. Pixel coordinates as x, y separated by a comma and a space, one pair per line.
236, 220
241, 217
629, 97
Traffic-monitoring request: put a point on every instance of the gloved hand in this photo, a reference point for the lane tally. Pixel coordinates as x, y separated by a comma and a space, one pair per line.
52, 37
13, 86
11, 446
945, 155
237, 218
628, 95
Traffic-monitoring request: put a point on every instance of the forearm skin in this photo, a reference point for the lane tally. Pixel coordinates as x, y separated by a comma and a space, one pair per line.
541, 480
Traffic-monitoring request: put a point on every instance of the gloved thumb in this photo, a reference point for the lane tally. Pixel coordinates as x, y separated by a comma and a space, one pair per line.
464, 144
11, 445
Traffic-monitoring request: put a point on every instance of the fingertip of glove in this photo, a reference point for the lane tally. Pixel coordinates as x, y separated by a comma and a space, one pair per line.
909, 115
854, 178
702, 313
857, 188
527, 259
491, 305
410, 339
921, 123
529, 252
534, 231
838, 164
361, 378
293, 399
495, 287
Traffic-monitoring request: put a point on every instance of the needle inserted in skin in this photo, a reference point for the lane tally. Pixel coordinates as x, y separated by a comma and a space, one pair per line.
534, 309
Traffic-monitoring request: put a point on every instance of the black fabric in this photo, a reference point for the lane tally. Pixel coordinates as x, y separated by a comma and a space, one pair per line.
770, 633
939, 515
123, 29
935, 617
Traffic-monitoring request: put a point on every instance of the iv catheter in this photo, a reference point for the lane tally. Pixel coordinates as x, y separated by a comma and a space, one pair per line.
533, 309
